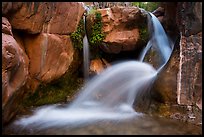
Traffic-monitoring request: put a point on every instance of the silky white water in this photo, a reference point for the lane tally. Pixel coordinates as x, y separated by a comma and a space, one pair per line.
110, 95
86, 50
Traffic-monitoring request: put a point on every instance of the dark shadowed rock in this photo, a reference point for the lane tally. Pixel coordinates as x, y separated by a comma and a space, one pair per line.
6, 26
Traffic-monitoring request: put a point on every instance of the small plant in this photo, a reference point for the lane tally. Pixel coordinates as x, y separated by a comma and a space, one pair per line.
78, 35
97, 36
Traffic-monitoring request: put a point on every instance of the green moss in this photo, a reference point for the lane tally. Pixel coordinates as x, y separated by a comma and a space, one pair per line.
97, 36
144, 35
54, 92
164, 110
78, 35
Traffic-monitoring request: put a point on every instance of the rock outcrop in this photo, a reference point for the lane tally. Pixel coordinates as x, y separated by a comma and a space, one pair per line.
190, 68
36, 47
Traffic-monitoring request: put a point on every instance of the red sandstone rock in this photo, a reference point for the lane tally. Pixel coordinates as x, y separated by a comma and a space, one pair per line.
50, 56
14, 67
121, 41
66, 18
98, 65
48, 17
120, 24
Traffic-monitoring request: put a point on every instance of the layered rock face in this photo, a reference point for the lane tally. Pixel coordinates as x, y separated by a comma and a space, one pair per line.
180, 82
121, 26
190, 69
36, 46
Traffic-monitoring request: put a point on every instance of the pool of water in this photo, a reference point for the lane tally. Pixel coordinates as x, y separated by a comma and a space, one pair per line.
139, 125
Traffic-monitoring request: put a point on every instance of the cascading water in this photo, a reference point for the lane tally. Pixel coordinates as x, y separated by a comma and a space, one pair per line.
110, 95
86, 49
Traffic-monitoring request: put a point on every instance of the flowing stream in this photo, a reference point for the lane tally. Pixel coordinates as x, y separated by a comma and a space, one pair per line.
107, 98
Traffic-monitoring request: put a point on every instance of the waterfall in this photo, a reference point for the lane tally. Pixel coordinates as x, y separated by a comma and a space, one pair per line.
86, 61
159, 40
86, 55
110, 95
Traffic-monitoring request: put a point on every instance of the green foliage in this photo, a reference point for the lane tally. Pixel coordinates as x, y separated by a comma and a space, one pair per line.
97, 36
78, 35
148, 6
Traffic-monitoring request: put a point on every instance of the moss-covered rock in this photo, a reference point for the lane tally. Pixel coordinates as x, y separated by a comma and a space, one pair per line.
54, 92
58, 90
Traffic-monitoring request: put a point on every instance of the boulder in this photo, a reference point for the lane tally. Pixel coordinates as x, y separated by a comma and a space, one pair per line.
121, 26
50, 56
48, 17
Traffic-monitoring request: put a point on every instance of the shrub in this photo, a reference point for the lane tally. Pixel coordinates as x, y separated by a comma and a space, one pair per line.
97, 36
78, 35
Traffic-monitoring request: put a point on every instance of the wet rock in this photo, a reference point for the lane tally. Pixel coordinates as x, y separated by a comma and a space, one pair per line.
165, 87
159, 12
98, 65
